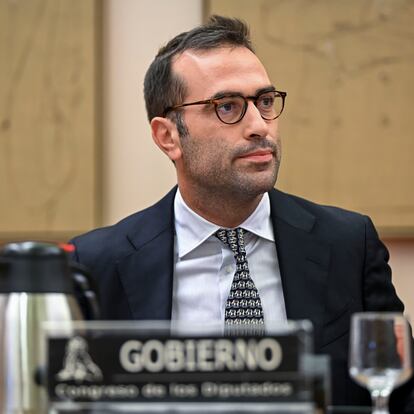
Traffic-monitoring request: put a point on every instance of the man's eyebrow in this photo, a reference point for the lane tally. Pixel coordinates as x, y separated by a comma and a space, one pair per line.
228, 92
269, 88
223, 93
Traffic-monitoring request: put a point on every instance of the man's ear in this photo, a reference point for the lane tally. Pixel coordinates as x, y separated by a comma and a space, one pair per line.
165, 135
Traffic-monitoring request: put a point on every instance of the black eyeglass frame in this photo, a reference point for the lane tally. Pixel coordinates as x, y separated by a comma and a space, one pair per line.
215, 102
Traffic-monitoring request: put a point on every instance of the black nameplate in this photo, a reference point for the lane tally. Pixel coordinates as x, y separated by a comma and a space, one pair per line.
124, 368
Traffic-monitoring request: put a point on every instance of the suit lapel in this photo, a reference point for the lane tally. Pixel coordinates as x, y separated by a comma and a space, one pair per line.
303, 260
147, 272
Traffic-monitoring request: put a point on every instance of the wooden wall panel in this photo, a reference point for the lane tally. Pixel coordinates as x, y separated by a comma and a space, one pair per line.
348, 68
48, 109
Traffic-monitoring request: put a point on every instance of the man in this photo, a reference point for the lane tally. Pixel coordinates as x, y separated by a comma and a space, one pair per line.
224, 245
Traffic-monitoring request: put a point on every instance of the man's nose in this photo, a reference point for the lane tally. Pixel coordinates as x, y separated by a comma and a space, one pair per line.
256, 126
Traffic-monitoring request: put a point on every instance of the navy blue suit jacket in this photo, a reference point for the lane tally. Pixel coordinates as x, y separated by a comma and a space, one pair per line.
332, 264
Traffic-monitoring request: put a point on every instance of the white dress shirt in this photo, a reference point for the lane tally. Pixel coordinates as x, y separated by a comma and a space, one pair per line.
205, 267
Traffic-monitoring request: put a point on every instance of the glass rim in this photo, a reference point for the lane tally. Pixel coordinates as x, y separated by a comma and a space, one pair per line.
379, 315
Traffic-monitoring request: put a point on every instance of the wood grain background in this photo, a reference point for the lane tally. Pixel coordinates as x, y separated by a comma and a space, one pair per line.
49, 151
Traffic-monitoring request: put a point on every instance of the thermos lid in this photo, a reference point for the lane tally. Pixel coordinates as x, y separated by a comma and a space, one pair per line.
34, 267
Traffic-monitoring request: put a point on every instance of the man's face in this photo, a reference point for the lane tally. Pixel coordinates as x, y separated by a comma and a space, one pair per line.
240, 159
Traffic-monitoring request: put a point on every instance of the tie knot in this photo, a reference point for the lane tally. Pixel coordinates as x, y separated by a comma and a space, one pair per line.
234, 238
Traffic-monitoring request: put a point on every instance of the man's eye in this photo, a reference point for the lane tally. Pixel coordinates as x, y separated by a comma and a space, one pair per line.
228, 106
266, 101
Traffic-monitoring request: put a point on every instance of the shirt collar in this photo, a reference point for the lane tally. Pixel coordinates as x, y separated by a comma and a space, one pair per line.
192, 229
259, 222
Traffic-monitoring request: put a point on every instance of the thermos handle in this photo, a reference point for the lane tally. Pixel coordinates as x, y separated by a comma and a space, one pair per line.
85, 291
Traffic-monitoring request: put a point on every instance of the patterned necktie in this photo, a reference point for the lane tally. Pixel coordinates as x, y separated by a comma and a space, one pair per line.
243, 306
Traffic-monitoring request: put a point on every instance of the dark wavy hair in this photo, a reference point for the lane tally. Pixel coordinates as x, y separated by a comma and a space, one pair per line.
163, 88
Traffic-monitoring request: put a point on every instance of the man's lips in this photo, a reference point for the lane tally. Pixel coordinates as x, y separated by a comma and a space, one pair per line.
258, 156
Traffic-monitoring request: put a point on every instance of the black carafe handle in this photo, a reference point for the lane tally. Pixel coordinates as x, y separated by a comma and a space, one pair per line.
85, 291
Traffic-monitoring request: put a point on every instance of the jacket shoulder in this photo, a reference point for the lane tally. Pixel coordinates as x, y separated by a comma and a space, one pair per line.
112, 243
330, 220
107, 243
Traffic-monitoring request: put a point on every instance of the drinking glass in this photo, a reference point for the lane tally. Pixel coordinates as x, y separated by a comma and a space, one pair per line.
380, 354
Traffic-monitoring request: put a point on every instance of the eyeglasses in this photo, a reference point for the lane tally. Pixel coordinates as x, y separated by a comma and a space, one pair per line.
231, 109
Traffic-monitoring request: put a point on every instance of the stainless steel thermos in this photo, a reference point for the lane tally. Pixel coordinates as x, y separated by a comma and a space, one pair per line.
37, 284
